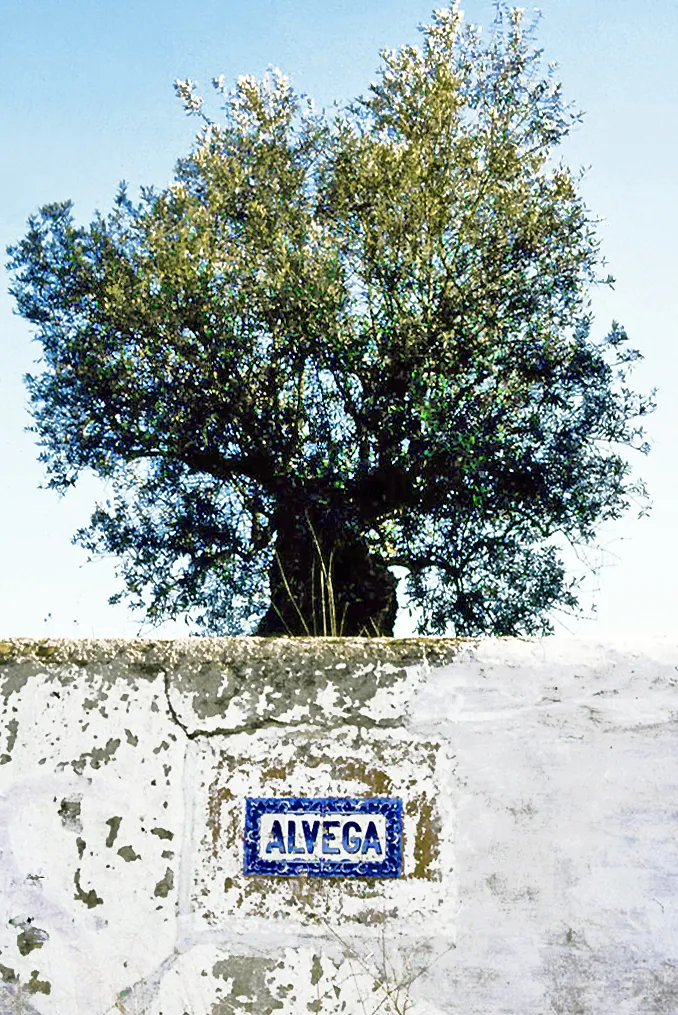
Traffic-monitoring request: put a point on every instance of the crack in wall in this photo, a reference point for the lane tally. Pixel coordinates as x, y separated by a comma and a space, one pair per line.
269, 722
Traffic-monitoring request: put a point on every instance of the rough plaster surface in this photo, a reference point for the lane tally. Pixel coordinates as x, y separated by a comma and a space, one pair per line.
540, 787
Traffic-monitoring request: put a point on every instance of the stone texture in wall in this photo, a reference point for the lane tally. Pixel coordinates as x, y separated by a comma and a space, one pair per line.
540, 787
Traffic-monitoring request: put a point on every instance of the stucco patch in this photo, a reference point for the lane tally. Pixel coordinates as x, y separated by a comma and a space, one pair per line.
165, 885
89, 898
114, 827
69, 812
30, 938
128, 854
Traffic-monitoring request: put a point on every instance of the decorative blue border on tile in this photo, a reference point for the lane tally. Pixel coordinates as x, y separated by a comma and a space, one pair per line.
389, 867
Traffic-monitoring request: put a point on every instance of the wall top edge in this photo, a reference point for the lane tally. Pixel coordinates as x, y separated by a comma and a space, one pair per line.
243, 652
399, 651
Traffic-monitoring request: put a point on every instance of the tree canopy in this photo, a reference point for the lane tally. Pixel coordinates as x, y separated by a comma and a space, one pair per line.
335, 345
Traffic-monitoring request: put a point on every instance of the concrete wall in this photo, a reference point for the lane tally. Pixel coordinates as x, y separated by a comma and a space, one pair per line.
540, 790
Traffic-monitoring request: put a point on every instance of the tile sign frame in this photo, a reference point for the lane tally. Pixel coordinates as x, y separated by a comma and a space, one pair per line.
388, 867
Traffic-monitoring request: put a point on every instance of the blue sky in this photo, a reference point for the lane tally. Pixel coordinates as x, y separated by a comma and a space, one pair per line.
86, 100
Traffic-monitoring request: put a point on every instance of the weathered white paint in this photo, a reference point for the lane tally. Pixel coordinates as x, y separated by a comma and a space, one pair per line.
540, 790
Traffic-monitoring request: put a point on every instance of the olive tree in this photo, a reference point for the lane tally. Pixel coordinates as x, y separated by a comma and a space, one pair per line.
338, 345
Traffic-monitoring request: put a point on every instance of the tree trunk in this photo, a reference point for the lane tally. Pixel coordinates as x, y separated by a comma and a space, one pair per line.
324, 581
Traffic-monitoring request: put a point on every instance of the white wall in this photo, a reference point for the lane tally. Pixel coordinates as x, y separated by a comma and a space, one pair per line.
540, 786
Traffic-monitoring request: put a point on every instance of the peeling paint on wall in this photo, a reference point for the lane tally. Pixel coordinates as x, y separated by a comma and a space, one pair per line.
539, 788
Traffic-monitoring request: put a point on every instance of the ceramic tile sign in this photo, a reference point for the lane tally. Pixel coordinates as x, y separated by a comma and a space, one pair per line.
324, 836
